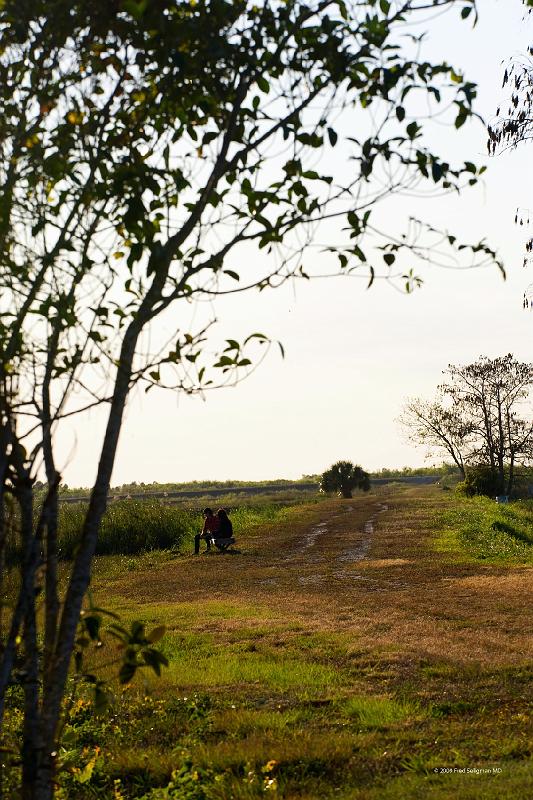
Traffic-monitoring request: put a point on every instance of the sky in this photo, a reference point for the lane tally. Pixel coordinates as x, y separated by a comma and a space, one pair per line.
352, 355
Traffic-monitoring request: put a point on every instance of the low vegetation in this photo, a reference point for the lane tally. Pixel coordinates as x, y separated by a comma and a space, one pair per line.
488, 531
275, 688
130, 527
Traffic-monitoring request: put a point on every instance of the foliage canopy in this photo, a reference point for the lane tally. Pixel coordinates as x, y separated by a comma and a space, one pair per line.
343, 477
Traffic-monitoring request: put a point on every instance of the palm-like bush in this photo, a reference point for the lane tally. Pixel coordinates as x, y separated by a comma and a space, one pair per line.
343, 477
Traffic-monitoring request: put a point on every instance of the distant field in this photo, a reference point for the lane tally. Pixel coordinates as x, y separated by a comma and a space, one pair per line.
365, 650
233, 492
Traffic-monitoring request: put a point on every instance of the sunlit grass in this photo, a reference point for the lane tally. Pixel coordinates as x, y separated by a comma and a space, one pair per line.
197, 661
175, 615
380, 712
487, 531
325, 691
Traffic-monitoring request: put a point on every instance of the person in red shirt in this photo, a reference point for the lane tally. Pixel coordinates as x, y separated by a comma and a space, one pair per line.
209, 531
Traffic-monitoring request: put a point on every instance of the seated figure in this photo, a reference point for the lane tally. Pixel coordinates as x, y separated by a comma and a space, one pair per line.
209, 530
223, 537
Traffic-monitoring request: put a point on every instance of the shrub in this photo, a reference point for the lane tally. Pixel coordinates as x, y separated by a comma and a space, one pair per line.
343, 477
129, 526
480, 480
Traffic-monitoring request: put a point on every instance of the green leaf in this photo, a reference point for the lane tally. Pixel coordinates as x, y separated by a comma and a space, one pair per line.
92, 624
137, 631
263, 84
127, 671
260, 336
232, 274
333, 136
389, 258
400, 113
154, 659
461, 118
412, 130
436, 171
224, 361
385, 6
157, 634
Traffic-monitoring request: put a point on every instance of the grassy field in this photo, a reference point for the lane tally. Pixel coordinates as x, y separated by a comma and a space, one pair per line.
365, 649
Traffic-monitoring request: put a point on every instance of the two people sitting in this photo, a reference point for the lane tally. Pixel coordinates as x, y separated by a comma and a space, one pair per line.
216, 527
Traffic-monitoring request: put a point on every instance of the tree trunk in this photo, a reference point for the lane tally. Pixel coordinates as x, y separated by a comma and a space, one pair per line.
4, 442
30, 735
510, 480
81, 571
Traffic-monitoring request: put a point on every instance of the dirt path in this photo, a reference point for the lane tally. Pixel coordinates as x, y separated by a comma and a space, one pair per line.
367, 566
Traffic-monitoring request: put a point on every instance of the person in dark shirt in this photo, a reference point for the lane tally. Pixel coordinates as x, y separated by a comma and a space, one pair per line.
209, 531
225, 528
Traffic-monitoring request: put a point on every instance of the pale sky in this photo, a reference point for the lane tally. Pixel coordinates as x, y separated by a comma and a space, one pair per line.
352, 356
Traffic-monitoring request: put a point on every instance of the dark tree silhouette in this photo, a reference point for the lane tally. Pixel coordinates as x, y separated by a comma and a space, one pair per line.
482, 418
513, 125
440, 427
343, 477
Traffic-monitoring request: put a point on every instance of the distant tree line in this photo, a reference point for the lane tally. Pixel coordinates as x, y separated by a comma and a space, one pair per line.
140, 486
411, 472
154, 486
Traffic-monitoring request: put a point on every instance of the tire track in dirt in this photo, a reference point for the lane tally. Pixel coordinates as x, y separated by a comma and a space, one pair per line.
325, 553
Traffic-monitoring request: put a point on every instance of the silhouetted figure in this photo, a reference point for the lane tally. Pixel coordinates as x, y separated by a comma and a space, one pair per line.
225, 528
209, 531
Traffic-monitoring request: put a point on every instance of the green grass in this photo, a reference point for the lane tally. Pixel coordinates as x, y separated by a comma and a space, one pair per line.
262, 699
379, 712
487, 531
183, 614
133, 527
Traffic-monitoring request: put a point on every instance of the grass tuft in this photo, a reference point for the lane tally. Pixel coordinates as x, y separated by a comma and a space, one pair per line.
380, 712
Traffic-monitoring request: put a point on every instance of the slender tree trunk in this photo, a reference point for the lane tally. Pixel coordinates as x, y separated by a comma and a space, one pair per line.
3, 545
459, 464
488, 431
4, 460
510, 479
81, 572
501, 445
30, 735
51, 595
